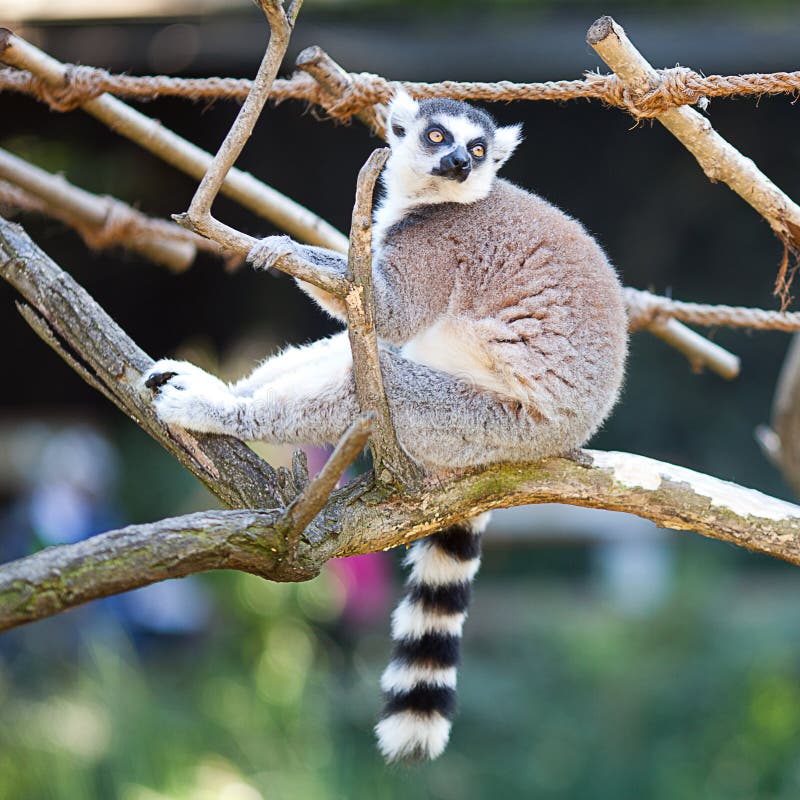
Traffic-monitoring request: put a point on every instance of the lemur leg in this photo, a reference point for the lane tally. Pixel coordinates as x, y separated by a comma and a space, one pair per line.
286, 401
440, 420
288, 361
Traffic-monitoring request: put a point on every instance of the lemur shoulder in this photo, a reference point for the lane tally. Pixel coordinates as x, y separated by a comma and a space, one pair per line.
503, 338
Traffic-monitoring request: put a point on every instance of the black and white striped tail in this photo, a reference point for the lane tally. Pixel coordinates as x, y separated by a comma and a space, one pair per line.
420, 681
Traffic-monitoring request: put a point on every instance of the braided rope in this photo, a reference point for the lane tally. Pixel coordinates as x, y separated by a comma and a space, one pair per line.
645, 308
677, 86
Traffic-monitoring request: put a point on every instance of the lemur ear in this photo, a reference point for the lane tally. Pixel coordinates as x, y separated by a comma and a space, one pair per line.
402, 111
506, 140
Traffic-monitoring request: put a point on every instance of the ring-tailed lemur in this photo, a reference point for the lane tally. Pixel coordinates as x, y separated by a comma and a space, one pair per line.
503, 338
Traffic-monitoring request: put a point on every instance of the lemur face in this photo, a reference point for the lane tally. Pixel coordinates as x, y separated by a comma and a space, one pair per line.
447, 148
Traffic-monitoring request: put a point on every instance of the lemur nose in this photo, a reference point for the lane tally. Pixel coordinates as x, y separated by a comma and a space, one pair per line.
457, 159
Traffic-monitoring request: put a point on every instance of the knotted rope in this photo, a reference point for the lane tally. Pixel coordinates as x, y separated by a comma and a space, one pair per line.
676, 87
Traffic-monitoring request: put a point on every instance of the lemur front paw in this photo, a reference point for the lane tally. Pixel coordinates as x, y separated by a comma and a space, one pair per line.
265, 252
189, 397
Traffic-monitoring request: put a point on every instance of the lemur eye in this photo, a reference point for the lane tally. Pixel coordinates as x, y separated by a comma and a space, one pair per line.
478, 150
435, 136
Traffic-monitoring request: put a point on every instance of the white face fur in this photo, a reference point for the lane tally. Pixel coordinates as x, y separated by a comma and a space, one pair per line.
443, 151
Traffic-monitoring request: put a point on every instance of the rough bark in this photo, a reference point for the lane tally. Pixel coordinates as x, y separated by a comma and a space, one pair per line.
362, 518
226, 466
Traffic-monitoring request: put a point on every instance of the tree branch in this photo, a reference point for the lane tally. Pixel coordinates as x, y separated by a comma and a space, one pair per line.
198, 218
717, 157
361, 519
59, 578
315, 495
226, 466
337, 82
263, 200
392, 464
102, 221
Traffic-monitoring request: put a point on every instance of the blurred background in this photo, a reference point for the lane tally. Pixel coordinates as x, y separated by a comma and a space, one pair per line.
603, 659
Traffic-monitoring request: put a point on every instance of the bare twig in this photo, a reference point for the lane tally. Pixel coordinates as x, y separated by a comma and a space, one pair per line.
391, 463
198, 218
699, 351
313, 498
240, 186
717, 157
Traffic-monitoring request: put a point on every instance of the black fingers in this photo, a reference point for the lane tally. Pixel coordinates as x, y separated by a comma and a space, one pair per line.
158, 379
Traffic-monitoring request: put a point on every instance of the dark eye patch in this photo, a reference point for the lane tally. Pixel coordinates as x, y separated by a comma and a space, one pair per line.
433, 146
475, 143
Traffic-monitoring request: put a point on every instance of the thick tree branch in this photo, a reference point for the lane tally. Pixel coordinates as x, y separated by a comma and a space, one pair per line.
361, 519
59, 578
227, 467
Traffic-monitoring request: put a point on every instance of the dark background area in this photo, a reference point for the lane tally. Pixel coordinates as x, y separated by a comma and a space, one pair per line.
566, 693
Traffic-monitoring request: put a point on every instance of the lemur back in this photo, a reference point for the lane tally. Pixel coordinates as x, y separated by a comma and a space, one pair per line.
513, 296
503, 338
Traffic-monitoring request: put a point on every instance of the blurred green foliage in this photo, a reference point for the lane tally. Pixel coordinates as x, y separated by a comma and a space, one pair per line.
562, 697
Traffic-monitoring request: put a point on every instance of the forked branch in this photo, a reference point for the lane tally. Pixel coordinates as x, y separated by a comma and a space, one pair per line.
75, 325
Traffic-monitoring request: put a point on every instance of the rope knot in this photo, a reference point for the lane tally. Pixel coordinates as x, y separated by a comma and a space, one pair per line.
80, 84
365, 90
120, 226
643, 308
678, 86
